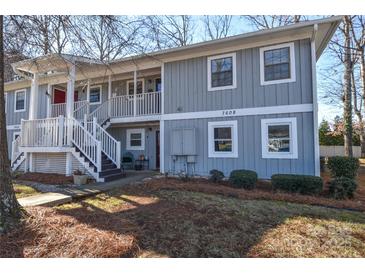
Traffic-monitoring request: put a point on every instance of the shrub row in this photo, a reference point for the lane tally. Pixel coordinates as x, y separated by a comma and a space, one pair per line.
303, 184
240, 178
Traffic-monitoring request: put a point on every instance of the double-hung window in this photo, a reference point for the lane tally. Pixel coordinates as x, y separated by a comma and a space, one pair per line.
222, 139
20, 100
135, 139
95, 95
222, 72
279, 138
277, 64
130, 86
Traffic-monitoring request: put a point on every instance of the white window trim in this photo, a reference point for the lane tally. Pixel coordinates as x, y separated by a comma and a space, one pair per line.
101, 95
292, 122
214, 154
132, 81
16, 133
132, 131
234, 71
292, 64
25, 100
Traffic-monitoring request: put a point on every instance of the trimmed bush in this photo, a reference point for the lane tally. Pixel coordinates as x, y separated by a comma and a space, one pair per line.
303, 184
243, 178
343, 166
342, 188
216, 176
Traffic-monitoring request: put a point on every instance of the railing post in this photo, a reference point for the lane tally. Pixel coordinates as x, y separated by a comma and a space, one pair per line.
95, 121
61, 121
118, 152
98, 156
85, 121
135, 93
12, 152
22, 132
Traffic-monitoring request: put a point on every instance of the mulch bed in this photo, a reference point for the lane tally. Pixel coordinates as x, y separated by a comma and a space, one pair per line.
45, 178
262, 192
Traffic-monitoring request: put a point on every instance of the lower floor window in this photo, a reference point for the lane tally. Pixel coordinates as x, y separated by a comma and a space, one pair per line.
279, 138
135, 139
222, 139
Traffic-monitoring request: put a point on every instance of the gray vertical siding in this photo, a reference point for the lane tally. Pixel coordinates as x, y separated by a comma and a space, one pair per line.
120, 134
249, 147
186, 84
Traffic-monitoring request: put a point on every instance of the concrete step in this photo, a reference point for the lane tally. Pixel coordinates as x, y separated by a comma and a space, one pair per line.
109, 172
109, 178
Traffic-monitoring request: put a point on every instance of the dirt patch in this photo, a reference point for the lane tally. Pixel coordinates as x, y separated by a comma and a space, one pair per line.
45, 178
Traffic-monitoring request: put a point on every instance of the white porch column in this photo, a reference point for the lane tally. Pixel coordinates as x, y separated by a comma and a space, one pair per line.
109, 95
70, 112
135, 93
162, 122
49, 100
70, 92
33, 102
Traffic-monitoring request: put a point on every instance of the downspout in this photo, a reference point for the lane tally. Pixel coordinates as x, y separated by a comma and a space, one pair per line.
315, 102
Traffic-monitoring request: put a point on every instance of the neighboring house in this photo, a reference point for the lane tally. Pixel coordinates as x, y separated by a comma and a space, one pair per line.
243, 102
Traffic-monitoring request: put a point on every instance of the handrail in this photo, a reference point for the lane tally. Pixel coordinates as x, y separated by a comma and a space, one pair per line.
101, 113
86, 143
122, 106
83, 107
109, 145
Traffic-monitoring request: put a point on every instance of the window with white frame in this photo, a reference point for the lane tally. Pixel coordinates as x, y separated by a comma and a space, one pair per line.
279, 138
130, 86
20, 100
222, 139
222, 72
135, 139
95, 95
277, 64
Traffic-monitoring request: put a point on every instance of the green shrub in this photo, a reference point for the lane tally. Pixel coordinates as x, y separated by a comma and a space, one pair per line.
342, 188
303, 184
216, 176
343, 166
243, 178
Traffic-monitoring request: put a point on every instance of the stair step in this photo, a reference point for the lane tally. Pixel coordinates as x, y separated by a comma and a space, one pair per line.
109, 172
109, 178
108, 166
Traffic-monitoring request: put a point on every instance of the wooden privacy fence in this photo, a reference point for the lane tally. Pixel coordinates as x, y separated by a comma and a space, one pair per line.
329, 151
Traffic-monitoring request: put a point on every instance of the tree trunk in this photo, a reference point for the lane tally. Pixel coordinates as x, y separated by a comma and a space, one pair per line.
347, 105
362, 77
10, 210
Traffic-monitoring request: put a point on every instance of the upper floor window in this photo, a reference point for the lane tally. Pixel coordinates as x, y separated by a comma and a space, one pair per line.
95, 95
20, 100
222, 139
277, 64
130, 86
222, 72
279, 138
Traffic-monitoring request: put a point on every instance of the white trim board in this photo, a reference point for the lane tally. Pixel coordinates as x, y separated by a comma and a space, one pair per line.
13, 127
239, 112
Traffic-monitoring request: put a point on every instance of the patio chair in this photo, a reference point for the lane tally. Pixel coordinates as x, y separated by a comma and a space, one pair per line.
128, 160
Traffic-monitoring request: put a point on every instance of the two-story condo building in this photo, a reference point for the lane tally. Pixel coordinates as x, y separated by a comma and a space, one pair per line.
243, 102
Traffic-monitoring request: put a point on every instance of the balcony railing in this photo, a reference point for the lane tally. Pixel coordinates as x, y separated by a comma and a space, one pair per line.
80, 109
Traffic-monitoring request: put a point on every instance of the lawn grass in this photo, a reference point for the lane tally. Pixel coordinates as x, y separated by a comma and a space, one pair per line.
22, 191
149, 221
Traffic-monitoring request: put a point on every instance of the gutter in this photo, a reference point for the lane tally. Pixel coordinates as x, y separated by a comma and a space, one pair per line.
315, 101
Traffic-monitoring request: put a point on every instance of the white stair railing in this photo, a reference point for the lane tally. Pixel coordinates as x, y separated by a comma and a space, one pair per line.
15, 153
58, 109
81, 108
148, 103
89, 146
101, 113
110, 146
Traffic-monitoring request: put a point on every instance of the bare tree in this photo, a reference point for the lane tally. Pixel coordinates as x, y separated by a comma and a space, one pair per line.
217, 26
272, 21
10, 211
169, 31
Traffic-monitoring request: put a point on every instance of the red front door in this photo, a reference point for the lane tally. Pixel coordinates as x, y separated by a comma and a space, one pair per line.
60, 96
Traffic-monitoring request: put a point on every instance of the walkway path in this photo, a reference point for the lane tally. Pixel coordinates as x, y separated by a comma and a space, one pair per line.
61, 195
